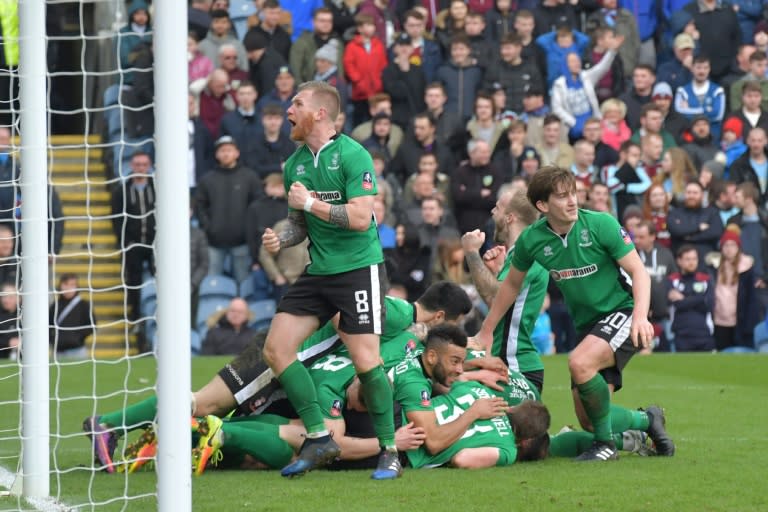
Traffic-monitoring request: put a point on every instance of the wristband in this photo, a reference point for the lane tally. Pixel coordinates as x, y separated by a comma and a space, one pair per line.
308, 204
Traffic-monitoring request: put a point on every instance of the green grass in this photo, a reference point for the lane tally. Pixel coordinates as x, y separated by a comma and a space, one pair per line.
716, 412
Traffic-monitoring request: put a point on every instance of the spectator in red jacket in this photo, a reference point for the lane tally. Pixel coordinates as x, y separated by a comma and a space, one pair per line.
364, 61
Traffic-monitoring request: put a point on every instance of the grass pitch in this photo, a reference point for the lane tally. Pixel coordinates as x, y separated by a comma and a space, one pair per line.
716, 408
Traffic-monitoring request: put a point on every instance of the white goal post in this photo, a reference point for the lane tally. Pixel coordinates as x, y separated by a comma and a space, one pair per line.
173, 387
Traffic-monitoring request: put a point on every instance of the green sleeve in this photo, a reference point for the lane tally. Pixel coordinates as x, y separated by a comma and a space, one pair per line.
359, 174
412, 389
521, 257
613, 237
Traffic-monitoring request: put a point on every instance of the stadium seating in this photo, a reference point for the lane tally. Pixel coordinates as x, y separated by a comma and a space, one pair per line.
196, 342
246, 289
208, 306
264, 311
218, 286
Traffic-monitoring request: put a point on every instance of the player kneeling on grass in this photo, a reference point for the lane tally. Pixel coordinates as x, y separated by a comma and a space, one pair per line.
247, 384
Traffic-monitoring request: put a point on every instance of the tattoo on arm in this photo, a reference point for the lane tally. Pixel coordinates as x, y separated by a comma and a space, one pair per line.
296, 230
339, 216
484, 280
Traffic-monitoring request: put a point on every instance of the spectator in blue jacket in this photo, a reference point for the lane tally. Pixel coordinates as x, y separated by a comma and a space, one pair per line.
677, 72
557, 45
242, 124
691, 296
702, 96
748, 14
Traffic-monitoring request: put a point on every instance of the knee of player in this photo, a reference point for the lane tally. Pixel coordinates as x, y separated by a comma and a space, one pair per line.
579, 365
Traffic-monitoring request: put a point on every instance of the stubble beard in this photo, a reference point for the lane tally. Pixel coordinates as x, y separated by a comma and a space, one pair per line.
302, 129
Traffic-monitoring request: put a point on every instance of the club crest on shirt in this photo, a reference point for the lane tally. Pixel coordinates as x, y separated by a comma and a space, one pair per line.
425, 399
299, 170
625, 236
367, 181
334, 165
410, 346
336, 408
584, 240
547, 251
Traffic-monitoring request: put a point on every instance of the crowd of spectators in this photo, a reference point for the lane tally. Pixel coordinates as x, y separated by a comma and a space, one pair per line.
658, 108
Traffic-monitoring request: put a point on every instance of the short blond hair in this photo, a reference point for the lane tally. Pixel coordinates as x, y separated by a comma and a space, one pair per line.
614, 104
325, 95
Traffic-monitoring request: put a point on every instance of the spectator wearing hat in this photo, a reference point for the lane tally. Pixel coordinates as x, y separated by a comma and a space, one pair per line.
702, 96
623, 22
720, 35
425, 52
758, 63
281, 95
732, 142
751, 113
221, 33
404, 81
365, 58
223, 196
137, 31
302, 55
269, 26
672, 122
327, 69
678, 71
700, 145
380, 103
381, 127
737, 309
264, 62
528, 163
514, 75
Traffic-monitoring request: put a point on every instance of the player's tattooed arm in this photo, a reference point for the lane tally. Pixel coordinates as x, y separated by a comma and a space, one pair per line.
484, 280
296, 230
339, 216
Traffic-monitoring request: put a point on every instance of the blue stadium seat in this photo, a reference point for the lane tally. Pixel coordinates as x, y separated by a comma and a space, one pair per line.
196, 342
206, 307
218, 286
763, 348
148, 302
246, 289
738, 350
263, 311
761, 334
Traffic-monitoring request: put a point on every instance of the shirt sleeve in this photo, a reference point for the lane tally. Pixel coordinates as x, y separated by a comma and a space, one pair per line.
521, 257
414, 394
614, 238
359, 174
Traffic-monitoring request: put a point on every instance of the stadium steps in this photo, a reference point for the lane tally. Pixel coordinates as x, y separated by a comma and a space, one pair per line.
89, 246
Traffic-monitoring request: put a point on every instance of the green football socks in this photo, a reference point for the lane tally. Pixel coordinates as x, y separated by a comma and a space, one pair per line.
573, 444
626, 419
596, 398
377, 392
132, 417
259, 440
301, 392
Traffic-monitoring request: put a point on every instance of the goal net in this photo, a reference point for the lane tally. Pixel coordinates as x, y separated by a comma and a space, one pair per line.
88, 323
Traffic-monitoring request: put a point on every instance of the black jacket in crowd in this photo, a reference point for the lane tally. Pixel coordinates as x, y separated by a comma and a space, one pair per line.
223, 196
742, 171
69, 331
406, 88
263, 213
133, 210
223, 339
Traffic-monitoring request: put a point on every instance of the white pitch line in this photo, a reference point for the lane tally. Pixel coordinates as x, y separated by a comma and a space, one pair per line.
47, 504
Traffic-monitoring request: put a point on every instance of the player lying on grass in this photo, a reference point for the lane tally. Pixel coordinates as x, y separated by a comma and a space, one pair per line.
470, 424
606, 287
246, 383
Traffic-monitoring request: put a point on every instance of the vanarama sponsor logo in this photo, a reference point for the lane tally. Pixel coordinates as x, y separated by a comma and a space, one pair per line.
327, 196
573, 273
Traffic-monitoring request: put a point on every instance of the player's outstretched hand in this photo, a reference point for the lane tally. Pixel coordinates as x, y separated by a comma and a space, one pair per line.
487, 408
641, 333
297, 195
494, 364
488, 378
271, 241
409, 437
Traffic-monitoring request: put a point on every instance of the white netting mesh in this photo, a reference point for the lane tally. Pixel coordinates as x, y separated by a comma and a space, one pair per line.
93, 118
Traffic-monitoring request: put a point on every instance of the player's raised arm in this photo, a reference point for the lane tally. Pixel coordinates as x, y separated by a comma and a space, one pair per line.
505, 297
642, 330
